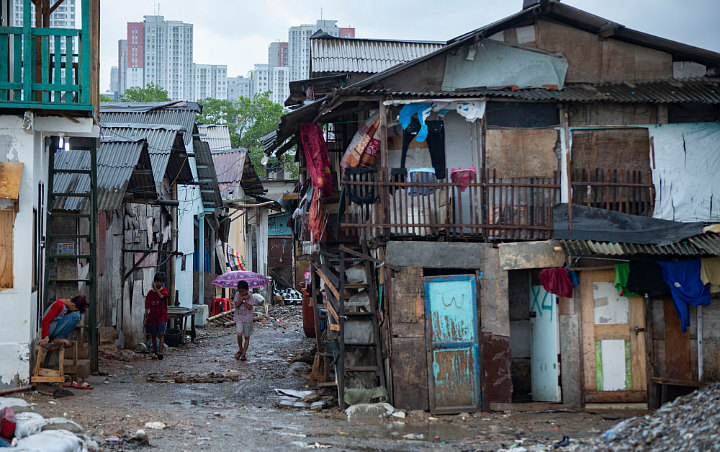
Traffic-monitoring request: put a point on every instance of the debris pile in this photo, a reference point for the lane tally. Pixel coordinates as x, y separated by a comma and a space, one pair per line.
688, 423
291, 296
179, 377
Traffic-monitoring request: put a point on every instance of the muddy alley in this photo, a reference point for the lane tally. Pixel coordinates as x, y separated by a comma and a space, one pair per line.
200, 398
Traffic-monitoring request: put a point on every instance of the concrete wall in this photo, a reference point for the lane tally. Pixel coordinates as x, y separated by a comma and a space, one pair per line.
572, 372
20, 303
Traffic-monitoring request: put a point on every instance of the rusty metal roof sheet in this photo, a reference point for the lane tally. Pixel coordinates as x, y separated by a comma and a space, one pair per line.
209, 191
701, 90
701, 245
168, 113
331, 54
165, 145
123, 166
218, 137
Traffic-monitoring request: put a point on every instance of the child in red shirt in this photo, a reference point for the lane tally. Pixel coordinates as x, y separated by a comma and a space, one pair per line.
156, 313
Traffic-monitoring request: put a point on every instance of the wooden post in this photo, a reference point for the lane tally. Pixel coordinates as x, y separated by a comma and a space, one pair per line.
383, 176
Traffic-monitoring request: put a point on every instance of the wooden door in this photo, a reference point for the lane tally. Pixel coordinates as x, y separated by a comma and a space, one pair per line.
452, 343
613, 341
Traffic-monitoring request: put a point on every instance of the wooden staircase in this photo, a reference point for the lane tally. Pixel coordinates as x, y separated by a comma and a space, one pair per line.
353, 344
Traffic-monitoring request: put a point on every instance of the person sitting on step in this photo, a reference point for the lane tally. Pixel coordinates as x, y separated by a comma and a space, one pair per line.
60, 320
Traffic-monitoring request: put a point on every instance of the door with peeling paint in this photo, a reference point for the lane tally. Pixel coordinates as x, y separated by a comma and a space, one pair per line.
613, 341
544, 366
452, 343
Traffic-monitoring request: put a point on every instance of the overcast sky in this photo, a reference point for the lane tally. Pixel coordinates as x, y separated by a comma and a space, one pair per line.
237, 32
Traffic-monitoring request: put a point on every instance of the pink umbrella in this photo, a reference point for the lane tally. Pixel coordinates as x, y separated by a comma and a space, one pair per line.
230, 280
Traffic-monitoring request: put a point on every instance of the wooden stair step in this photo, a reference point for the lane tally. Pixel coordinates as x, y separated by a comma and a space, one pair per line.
361, 369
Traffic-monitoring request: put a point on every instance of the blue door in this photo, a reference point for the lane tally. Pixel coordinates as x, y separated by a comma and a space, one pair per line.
452, 342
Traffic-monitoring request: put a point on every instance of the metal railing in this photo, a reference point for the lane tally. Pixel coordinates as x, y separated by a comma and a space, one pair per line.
477, 206
46, 68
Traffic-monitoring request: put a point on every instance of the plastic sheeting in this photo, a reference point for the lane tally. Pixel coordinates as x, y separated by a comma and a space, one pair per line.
685, 166
603, 225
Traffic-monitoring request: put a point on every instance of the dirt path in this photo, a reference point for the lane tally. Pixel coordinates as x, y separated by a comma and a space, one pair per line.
239, 408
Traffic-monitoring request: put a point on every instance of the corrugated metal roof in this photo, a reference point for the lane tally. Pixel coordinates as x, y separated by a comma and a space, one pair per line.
218, 137
163, 140
705, 244
365, 55
702, 90
173, 113
229, 165
209, 191
120, 169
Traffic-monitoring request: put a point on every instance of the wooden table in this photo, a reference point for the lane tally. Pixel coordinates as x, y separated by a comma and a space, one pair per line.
660, 386
181, 314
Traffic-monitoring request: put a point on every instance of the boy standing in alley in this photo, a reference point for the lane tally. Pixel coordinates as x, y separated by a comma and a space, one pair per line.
156, 313
243, 317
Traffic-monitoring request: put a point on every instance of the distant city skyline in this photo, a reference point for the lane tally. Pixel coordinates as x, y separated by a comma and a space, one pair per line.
237, 34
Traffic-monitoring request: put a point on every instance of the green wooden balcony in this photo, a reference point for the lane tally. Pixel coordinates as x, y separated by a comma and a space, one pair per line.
46, 68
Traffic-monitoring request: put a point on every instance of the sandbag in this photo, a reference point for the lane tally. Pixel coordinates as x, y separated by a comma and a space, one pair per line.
31, 423
52, 441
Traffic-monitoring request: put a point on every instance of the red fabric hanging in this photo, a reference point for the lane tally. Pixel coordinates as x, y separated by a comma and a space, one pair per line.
316, 156
557, 281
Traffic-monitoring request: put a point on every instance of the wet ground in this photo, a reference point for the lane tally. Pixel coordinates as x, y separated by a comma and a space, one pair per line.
206, 400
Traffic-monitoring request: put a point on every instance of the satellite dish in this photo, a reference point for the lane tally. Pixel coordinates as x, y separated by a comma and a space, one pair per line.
264, 160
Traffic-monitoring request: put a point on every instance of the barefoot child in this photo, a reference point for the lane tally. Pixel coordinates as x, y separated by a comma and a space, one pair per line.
243, 318
60, 319
156, 313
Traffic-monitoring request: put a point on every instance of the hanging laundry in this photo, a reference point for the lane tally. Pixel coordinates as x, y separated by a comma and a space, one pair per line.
317, 216
646, 279
621, 276
316, 155
234, 259
683, 277
557, 281
463, 176
423, 111
435, 131
710, 273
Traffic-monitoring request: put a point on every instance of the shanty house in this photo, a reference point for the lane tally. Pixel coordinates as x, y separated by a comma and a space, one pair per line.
48, 94
455, 184
199, 203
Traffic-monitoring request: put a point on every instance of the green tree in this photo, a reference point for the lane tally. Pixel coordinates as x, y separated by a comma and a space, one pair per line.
104, 98
248, 120
151, 93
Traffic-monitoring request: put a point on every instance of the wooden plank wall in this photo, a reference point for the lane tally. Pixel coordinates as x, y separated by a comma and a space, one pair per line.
408, 360
538, 158
7, 223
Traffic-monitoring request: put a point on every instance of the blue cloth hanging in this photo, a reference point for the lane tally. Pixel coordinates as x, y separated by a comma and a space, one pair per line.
683, 277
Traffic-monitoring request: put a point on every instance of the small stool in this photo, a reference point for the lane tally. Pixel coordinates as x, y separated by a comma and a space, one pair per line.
220, 305
47, 375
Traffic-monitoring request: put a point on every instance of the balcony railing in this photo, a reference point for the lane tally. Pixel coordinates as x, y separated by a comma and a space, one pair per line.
46, 68
624, 191
477, 206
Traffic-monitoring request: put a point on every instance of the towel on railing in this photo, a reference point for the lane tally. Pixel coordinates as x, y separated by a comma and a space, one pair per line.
421, 176
463, 176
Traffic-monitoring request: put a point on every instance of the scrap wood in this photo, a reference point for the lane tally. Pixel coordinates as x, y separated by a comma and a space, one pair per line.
210, 319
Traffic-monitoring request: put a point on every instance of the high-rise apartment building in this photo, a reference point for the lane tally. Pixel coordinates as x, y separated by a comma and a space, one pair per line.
135, 64
278, 54
62, 17
169, 56
239, 87
261, 78
114, 81
210, 81
280, 84
299, 46
122, 65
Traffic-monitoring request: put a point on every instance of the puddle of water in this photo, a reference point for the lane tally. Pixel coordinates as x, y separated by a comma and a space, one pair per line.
400, 430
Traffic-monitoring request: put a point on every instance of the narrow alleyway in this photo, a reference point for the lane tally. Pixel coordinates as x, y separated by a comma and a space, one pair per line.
236, 406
